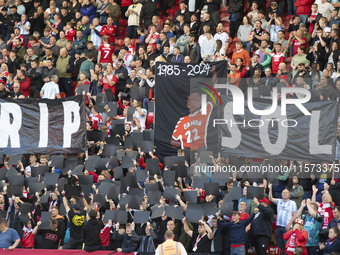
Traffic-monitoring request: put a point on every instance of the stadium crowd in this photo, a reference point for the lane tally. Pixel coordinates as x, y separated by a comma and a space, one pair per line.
56, 49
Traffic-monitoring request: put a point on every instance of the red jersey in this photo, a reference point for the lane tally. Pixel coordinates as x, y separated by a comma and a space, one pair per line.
311, 25
27, 240
110, 31
296, 45
182, 132
22, 40
70, 34
107, 86
95, 120
154, 38
105, 235
87, 82
244, 216
277, 58
132, 50
106, 53
191, 130
326, 212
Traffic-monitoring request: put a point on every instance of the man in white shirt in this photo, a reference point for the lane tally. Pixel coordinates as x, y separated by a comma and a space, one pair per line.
222, 36
325, 8
140, 114
50, 90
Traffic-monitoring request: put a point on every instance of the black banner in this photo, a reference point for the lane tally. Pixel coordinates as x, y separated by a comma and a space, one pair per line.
32, 126
294, 136
172, 91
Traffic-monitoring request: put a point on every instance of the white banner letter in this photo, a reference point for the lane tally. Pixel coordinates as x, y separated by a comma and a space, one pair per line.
71, 125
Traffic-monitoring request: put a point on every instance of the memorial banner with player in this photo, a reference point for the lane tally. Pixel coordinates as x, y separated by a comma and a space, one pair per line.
31, 126
172, 90
214, 115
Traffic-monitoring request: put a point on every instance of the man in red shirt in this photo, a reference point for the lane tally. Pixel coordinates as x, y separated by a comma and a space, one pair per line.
298, 41
127, 43
105, 52
109, 30
242, 209
325, 207
96, 119
109, 80
16, 34
278, 56
25, 83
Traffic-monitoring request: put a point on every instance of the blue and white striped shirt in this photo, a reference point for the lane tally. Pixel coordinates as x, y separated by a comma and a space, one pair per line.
50, 90
285, 212
96, 37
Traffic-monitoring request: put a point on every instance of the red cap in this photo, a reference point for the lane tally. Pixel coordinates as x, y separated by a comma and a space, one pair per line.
264, 200
299, 221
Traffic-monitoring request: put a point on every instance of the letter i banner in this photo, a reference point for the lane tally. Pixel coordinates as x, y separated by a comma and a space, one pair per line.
31, 126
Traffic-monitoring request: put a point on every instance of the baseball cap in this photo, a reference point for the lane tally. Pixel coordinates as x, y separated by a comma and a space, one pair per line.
299, 221
264, 200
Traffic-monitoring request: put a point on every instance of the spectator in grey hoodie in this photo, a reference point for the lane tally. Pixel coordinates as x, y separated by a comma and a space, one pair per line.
244, 31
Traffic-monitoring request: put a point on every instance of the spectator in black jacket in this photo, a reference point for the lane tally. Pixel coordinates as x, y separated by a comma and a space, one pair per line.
13, 62
149, 10
236, 15
192, 49
214, 9
146, 243
261, 226
91, 232
128, 244
217, 241
183, 9
35, 74
208, 21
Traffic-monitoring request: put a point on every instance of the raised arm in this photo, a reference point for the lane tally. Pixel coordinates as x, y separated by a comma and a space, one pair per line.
311, 211
273, 200
86, 206
315, 190
186, 227
208, 229
35, 230
65, 202
299, 212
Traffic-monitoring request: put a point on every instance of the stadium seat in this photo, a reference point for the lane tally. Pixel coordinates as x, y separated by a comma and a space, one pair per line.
286, 35
62, 94
223, 15
288, 17
225, 23
286, 24
120, 42
122, 23
235, 39
122, 32
117, 47
224, 9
